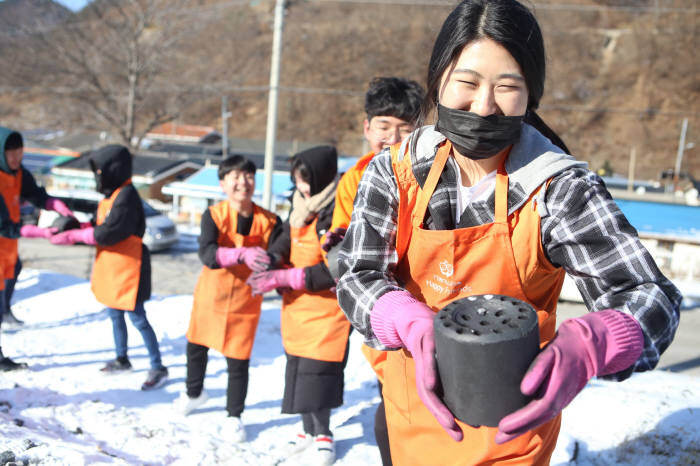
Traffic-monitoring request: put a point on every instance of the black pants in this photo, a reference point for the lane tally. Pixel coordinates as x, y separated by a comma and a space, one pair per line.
381, 432
6, 294
197, 357
317, 422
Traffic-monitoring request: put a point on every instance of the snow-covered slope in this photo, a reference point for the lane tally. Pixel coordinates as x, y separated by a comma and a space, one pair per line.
64, 411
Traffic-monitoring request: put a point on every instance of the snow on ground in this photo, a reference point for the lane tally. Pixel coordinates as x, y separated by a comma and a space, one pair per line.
64, 411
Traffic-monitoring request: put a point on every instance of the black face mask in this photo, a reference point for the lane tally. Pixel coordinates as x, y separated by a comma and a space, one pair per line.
478, 137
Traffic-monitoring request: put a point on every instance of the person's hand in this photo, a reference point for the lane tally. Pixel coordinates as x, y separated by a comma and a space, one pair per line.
333, 237
255, 258
33, 231
82, 235
262, 282
59, 206
400, 320
598, 343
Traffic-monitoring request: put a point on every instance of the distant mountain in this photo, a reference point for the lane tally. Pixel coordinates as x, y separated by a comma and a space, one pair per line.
22, 15
621, 74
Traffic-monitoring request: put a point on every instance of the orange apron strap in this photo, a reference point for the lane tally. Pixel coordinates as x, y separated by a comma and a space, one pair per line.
426, 193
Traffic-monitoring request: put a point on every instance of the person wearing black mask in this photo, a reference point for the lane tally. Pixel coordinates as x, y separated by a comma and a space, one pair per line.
314, 330
487, 201
121, 274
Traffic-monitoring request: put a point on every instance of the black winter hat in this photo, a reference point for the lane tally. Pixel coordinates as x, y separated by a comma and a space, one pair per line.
321, 163
111, 165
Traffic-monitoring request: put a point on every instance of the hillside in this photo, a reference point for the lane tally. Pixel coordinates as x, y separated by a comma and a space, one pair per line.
19, 15
622, 74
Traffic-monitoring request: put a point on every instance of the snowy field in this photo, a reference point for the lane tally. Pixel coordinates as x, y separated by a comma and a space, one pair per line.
64, 411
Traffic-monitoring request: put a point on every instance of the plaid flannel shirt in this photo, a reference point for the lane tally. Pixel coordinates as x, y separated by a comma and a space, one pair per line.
585, 233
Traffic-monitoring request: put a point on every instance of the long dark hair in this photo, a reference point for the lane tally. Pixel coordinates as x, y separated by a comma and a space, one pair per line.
506, 22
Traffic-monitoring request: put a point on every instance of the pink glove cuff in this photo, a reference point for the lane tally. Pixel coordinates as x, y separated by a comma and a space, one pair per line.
50, 203
33, 231
387, 309
297, 278
86, 235
226, 257
58, 206
624, 341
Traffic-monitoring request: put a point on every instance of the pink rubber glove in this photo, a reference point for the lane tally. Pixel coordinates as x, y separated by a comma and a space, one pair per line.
255, 258
33, 231
333, 237
79, 235
598, 343
262, 282
59, 206
400, 320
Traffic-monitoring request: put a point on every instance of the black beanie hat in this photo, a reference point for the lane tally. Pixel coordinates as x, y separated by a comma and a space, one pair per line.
14, 141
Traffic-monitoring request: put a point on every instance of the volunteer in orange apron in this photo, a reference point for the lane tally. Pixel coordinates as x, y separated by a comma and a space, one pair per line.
16, 185
486, 201
391, 108
314, 329
121, 274
225, 314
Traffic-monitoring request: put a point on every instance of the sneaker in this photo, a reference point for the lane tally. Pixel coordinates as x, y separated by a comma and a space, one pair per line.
156, 378
324, 454
233, 429
296, 444
10, 319
7, 364
185, 405
116, 366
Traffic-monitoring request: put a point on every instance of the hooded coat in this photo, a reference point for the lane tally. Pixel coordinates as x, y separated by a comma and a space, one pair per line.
314, 330
15, 186
112, 166
322, 169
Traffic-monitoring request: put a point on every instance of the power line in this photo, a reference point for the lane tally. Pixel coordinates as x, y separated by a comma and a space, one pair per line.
218, 89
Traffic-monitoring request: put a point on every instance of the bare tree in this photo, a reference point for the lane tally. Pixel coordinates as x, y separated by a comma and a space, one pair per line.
114, 65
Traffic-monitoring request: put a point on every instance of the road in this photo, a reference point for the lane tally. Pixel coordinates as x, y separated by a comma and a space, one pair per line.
175, 272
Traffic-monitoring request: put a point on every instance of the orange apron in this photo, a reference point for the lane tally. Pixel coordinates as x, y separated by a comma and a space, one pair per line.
225, 314
10, 188
440, 266
346, 192
117, 269
313, 325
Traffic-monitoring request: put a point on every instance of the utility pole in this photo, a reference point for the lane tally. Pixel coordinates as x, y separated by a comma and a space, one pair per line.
225, 115
630, 169
679, 155
271, 132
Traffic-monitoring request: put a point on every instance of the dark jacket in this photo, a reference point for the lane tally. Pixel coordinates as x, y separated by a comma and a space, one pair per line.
112, 168
209, 236
317, 276
321, 164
